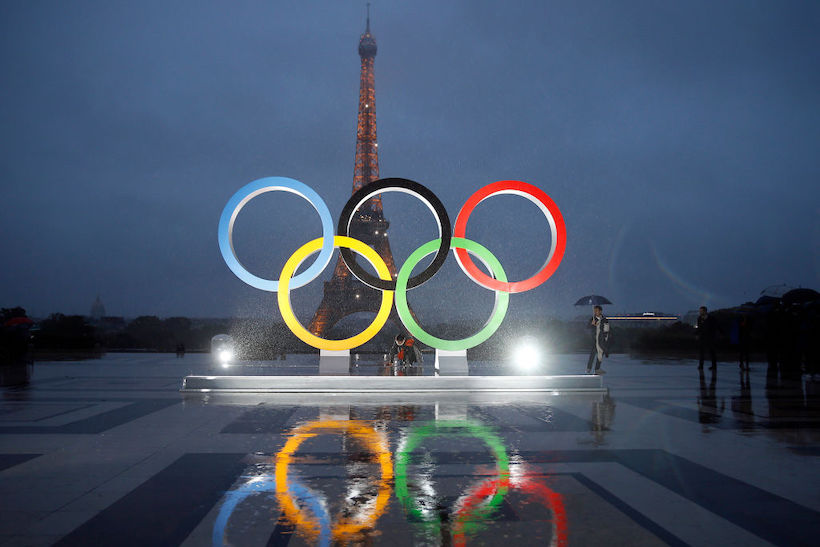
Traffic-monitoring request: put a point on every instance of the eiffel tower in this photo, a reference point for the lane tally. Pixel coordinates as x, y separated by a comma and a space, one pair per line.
344, 294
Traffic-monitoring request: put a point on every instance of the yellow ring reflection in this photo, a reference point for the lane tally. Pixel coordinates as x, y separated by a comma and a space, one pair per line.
283, 296
374, 442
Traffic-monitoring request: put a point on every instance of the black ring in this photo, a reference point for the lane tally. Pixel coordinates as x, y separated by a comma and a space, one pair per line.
408, 186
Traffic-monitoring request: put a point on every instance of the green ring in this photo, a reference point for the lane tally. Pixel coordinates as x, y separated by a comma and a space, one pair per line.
438, 429
502, 299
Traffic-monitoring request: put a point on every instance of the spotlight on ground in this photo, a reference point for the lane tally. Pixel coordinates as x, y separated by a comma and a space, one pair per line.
222, 350
527, 354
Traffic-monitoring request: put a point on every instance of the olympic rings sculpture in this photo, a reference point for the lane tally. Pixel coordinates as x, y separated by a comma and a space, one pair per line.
454, 239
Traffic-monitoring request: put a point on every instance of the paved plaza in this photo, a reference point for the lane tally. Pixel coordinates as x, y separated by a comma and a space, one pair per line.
109, 452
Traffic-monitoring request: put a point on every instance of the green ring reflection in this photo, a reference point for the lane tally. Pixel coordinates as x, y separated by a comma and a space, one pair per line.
448, 428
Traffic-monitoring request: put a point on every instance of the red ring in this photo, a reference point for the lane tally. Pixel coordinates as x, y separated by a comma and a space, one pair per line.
547, 206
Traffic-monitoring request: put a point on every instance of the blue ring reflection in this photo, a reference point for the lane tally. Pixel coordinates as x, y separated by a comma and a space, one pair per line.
267, 483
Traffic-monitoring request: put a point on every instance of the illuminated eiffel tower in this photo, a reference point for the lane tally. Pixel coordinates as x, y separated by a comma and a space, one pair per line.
344, 294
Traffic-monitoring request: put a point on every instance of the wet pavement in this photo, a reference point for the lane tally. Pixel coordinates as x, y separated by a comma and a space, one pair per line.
108, 452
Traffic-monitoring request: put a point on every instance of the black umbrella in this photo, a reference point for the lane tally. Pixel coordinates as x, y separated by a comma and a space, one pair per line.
592, 300
766, 301
776, 291
799, 296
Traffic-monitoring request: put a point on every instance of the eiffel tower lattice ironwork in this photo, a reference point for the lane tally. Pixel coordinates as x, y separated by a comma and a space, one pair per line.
344, 294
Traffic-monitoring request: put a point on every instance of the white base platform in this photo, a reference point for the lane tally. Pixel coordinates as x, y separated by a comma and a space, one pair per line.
389, 384
334, 363
451, 363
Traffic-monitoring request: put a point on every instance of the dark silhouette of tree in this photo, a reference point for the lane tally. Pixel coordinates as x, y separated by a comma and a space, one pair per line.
65, 332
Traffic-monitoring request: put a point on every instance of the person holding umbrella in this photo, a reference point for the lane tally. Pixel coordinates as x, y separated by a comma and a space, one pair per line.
599, 325
15, 337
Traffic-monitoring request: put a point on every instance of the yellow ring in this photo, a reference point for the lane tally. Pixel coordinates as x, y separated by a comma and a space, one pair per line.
372, 440
283, 297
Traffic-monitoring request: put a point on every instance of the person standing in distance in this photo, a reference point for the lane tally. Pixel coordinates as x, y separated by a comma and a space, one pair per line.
706, 337
599, 326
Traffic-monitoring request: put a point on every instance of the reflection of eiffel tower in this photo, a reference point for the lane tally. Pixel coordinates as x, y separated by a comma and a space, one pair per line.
344, 294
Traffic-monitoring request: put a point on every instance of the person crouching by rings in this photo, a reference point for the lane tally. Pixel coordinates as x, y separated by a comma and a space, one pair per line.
403, 352
599, 325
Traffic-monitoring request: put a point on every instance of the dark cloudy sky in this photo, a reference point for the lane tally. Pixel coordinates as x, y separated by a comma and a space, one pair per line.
680, 140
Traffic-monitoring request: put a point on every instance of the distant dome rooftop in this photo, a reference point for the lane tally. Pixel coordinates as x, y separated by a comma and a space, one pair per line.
97, 309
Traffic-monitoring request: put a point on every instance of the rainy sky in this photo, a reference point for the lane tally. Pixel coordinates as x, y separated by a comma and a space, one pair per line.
679, 139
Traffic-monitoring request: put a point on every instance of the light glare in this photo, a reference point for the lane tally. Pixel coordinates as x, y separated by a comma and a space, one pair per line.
527, 355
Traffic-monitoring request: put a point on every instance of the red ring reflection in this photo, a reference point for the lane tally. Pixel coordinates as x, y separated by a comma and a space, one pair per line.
548, 497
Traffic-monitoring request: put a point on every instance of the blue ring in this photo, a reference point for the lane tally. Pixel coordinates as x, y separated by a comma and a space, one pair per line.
247, 193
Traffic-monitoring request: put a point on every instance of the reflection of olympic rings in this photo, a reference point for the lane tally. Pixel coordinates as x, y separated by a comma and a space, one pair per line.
409, 187
371, 439
267, 484
460, 428
247, 193
308, 510
545, 204
499, 309
448, 239
306, 336
548, 497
